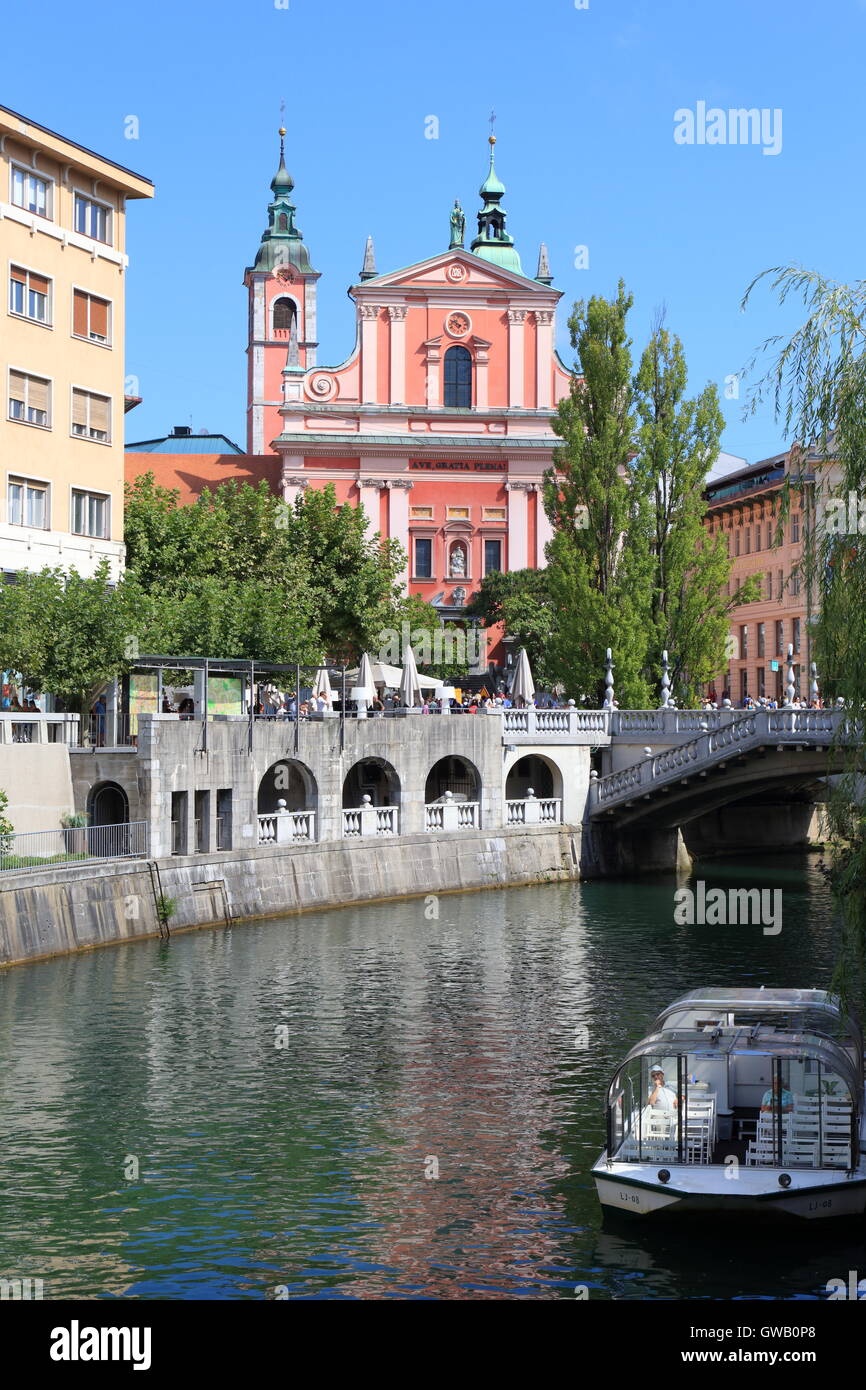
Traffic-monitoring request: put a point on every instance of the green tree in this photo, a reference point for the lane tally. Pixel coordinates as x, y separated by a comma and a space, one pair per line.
600, 564
677, 442
71, 634
7, 829
816, 383
520, 601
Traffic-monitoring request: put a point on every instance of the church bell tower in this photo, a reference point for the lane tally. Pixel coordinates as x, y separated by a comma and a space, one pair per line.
281, 285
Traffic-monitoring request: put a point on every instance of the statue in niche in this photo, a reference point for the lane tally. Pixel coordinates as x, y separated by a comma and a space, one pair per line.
458, 225
458, 561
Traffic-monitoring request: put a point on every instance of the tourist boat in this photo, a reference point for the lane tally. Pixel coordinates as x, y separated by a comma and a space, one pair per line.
757, 1109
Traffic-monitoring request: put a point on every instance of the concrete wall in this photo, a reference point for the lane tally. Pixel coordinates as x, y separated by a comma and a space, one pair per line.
37, 780
45, 913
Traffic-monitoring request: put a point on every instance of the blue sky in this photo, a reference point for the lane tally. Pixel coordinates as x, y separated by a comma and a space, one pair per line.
585, 100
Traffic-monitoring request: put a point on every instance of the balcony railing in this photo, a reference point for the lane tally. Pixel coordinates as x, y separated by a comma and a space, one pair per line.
452, 815
366, 820
283, 827
41, 849
22, 727
534, 810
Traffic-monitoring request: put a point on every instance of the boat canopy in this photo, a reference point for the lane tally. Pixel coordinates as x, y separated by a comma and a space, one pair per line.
810, 1011
754, 1042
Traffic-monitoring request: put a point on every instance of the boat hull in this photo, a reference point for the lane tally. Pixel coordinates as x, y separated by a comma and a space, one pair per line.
813, 1195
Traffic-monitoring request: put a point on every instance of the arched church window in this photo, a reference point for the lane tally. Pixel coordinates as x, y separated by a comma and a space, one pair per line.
458, 377
283, 222
284, 314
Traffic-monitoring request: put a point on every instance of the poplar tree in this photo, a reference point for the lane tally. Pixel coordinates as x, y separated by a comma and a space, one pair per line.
677, 441
600, 565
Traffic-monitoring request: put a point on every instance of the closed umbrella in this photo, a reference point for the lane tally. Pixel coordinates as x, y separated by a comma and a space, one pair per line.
322, 687
523, 686
410, 689
365, 678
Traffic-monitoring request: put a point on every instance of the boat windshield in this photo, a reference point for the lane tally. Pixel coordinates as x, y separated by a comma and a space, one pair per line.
744, 1096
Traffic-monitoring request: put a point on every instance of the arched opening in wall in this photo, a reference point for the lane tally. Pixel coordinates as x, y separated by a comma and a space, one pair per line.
455, 775
458, 377
542, 775
289, 781
284, 315
371, 777
107, 808
282, 222
107, 804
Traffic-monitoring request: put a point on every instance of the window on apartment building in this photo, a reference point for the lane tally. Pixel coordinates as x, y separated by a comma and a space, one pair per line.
31, 192
27, 504
762, 634
762, 682
492, 556
795, 634
89, 514
91, 317
92, 219
737, 541
769, 535
780, 637
29, 294
744, 684
458, 377
423, 558
795, 583
769, 578
781, 592
29, 399
747, 536
795, 527
91, 415
744, 641
757, 537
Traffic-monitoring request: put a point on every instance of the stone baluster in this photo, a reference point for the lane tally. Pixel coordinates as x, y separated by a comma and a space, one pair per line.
608, 681
813, 688
666, 682
789, 678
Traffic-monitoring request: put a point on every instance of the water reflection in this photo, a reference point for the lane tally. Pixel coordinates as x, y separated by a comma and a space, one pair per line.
286, 1088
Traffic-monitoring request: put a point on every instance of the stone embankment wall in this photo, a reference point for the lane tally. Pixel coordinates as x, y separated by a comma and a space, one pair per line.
54, 913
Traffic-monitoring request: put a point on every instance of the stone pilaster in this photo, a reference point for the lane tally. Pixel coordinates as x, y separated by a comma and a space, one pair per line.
516, 344
397, 315
518, 524
543, 357
369, 353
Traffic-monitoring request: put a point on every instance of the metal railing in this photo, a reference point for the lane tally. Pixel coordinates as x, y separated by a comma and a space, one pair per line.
22, 727
80, 844
112, 730
223, 833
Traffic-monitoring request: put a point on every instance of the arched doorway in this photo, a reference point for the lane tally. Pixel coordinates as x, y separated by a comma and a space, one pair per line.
542, 775
107, 807
372, 777
287, 781
455, 775
107, 804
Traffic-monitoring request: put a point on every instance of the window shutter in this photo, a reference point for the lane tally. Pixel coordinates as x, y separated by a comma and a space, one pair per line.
99, 413
79, 314
16, 273
16, 386
39, 283
99, 317
38, 398
79, 408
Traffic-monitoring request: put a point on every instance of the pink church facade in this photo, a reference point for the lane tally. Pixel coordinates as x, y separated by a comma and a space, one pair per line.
439, 420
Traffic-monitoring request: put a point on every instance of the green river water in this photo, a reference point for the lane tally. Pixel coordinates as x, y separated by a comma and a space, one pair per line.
260, 1112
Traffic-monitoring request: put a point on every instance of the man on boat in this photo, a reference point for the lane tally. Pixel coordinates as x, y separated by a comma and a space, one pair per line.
661, 1096
770, 1100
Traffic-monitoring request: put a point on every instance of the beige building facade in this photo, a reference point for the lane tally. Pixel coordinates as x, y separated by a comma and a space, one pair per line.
63, 260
